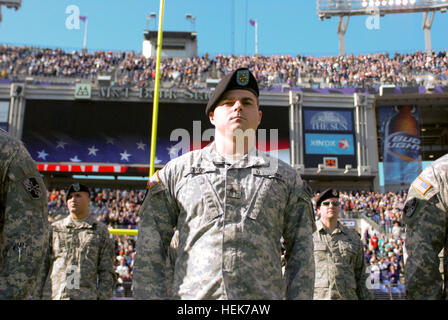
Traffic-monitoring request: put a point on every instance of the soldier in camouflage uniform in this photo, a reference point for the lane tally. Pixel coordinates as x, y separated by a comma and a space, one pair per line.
425, 216
23, 219
80, 254
338, 252
230, 208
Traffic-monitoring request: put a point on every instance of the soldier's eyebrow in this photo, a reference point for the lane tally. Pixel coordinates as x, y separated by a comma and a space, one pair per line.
243, 98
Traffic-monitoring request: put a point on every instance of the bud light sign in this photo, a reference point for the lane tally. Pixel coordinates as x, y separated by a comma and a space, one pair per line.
401, 144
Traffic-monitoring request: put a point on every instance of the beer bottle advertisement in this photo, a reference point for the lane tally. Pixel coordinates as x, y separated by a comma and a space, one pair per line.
401, 144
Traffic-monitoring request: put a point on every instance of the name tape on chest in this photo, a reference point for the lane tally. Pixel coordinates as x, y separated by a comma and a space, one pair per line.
421, 185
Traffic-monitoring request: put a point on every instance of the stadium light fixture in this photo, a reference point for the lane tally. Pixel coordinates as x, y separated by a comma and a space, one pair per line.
150, 16
346, 8
10, 4
192, 19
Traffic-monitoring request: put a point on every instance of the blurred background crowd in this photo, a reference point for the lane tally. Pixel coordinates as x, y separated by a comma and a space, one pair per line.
133, 69
383, 239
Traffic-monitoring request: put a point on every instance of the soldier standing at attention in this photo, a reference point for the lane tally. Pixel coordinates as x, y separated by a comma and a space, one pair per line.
231, 204
23, 219
80, 253
425, 216
338, 253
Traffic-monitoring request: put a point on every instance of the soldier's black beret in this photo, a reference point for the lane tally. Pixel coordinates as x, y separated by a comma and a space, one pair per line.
241, 78
327, 194
77, 187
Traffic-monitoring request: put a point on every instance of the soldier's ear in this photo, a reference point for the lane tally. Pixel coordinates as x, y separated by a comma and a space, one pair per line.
211, 116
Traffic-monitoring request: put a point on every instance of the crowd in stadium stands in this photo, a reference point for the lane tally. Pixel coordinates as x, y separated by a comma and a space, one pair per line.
383, 247
133, 69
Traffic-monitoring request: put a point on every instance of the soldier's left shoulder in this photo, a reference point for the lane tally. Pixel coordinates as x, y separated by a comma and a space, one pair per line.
285, 170
97, 225
352, 233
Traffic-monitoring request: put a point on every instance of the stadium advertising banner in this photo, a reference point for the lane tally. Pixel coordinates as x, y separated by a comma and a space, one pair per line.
401, 144
329, 137
4, 114
118, 132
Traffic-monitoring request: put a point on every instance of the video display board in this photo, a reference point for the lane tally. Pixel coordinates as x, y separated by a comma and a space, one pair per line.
329, 137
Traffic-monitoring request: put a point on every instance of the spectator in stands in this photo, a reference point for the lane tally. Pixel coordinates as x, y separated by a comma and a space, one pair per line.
375, 272
384, 269
367, 236
127, 283
396, 230
381, 244
122, 269
394, 275
367, 254
374, 243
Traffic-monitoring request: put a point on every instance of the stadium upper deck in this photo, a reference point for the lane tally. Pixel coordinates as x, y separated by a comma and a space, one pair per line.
37, 84
131, 69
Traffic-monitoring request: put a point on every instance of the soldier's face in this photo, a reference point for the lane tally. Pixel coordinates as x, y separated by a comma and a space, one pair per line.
78, 202
237, 109
328, 210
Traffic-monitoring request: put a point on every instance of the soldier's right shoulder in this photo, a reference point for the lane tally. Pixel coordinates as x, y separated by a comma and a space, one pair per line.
178, 167
9, 144
60, 224
427, 184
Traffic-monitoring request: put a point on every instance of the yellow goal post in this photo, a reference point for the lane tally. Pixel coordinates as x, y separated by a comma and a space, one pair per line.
127, 232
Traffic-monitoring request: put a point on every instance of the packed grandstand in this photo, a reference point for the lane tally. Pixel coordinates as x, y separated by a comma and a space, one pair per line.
128, 68
383, 238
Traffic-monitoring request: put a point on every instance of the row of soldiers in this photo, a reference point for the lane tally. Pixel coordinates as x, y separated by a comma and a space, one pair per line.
225, 207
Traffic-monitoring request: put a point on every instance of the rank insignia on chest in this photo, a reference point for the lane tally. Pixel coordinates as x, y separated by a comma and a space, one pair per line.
154, 180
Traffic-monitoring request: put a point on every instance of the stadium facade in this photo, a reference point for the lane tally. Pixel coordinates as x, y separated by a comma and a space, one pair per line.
331, 136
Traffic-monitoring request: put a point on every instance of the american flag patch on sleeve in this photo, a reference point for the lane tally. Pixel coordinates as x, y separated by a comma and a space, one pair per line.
421, 185
154, 180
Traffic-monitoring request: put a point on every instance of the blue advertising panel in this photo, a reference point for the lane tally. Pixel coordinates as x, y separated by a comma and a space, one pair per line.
329, 132
337, 144
328, 120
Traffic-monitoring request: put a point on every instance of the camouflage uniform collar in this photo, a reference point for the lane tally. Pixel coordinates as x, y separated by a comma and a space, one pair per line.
338, 229
87, 223
255, 158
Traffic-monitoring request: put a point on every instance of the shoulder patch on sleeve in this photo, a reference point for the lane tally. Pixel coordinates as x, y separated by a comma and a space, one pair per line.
410, 207
32, 187
421, 185
154, 180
